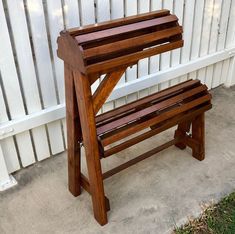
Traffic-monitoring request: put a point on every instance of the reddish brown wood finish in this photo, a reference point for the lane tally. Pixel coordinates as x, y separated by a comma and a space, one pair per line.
118, 22
74, 135
198, 134
109, 48
105, 47
87, 118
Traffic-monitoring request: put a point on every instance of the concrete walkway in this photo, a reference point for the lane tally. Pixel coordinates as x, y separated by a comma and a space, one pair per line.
150, 197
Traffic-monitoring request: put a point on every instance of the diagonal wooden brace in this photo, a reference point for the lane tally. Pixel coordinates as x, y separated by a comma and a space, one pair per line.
105, 88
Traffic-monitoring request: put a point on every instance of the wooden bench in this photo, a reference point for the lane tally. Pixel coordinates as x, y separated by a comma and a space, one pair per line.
109, 48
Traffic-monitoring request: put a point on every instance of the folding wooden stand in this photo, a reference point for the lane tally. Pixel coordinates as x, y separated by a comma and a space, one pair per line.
109, 48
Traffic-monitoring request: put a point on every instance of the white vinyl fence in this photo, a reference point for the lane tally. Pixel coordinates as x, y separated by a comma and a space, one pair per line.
32, 110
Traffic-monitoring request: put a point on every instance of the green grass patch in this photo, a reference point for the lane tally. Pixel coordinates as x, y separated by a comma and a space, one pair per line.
216, 219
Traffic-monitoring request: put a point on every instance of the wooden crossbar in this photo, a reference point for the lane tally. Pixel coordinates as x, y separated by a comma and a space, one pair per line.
139, 158
108, 49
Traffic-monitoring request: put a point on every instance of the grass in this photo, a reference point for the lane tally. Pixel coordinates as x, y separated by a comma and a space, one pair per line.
216, 219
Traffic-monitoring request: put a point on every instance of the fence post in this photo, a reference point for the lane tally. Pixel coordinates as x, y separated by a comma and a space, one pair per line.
6, 181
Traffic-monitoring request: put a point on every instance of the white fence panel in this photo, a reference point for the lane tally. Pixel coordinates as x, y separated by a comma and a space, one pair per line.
31, 75
27, 73
45, 70
12, 90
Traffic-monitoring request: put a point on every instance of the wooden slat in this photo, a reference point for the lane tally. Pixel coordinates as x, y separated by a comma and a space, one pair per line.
138, 127
156, 107
138, 159
103, 67
159, 95
166, 125
115, 23
140, 41
104, 34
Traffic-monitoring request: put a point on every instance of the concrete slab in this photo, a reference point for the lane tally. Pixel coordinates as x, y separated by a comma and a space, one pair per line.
150, 197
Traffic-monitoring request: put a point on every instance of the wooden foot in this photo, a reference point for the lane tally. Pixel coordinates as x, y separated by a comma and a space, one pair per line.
73, 135
198, 134
180, 133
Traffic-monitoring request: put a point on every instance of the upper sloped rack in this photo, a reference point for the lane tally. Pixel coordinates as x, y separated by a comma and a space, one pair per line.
101, 48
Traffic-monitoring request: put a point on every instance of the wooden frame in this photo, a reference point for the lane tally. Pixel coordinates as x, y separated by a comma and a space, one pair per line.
109, 48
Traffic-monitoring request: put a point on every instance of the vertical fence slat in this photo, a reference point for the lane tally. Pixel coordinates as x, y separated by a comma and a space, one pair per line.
55, 25
117, 9
197, 28
131, 73
154, 60
12, 90
44, 68
103, 14
143, 7
71, 12
222, 43
143, 65
103, 10
27, 72
179, 11
8, 145
165, 58
204, 47
188, 30
3, 169
87, 12
230, 40
211, 71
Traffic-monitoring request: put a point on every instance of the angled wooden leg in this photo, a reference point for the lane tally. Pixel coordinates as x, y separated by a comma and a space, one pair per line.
198, 134
73, 134
180, 133
87, 117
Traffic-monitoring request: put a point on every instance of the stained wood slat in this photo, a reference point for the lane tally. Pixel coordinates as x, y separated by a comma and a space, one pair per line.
115, 23
156, 96
146, 111
105, 66
104, 34
135, 128
166, 125
142, 41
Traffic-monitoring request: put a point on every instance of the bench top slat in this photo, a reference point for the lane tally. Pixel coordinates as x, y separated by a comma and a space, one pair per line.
137, 126
117, 22
159, 95
106, 66
146, 111
131, 42
93, 36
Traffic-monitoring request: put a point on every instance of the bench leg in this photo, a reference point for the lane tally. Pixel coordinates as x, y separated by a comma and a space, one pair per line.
180, 133
73, 135
87, 118
198, 134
